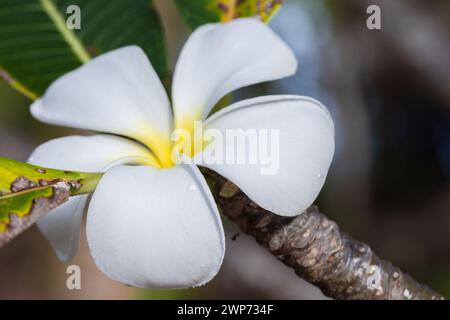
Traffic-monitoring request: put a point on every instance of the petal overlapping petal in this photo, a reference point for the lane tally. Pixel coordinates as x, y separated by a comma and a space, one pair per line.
285, 145
220, 58
61, 226
118, 92
161, 229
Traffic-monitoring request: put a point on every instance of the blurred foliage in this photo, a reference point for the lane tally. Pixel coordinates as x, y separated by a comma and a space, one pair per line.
440, 279
36, 47
200, 12
15, 117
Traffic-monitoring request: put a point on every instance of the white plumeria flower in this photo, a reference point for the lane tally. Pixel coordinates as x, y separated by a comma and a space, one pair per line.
152, 223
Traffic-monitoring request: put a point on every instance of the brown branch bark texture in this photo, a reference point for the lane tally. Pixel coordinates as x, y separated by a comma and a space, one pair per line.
309, 243
318, 250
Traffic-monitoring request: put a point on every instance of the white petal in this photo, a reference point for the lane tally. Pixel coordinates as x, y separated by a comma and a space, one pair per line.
155, 228
89, 153
61, 226
118, 92
219, 58
289, 178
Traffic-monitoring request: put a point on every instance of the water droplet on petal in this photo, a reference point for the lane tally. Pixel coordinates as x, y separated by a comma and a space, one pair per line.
202, 265
319, 176
192, 187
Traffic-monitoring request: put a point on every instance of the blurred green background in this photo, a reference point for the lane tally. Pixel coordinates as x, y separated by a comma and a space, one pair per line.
389, 93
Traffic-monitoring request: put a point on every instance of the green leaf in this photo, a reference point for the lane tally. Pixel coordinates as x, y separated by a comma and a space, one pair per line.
11, 171
36, 47
199, 12
27, 192
20, 204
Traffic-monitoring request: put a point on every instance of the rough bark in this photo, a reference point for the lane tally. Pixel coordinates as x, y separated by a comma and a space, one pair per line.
310, 243
318, 250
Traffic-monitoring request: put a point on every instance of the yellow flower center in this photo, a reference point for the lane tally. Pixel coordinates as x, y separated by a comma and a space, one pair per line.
186, 140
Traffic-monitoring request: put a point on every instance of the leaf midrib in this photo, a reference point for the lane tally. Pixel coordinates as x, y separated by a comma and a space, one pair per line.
69, 36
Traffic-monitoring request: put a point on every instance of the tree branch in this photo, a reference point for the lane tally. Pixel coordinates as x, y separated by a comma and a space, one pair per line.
310, 243
317, 250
